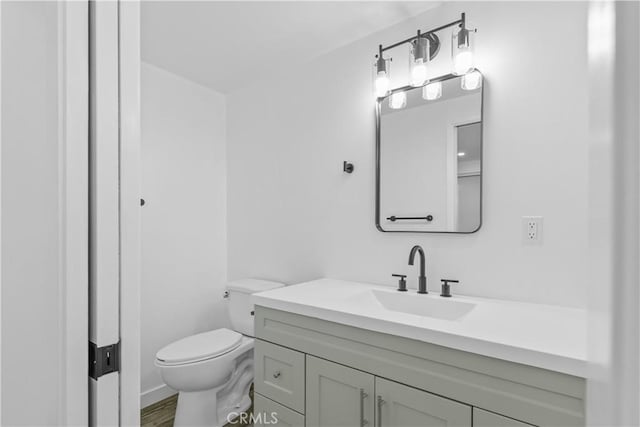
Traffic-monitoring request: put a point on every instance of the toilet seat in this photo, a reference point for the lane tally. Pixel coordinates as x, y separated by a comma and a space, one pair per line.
199, 347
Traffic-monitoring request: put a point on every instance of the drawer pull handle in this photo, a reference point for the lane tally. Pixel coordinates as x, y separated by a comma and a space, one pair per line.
380, 403
276, 374
363, 396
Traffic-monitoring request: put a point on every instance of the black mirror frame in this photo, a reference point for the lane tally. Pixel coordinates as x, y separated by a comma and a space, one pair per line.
378, 111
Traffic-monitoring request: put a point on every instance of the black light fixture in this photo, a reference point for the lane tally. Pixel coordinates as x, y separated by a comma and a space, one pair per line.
462, 49
424, 46
419, 58
381, 78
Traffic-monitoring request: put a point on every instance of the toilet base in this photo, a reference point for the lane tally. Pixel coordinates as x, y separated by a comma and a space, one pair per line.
197, 409
200, 409
235, 414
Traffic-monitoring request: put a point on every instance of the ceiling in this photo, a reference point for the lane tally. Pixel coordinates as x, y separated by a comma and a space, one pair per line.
222, 44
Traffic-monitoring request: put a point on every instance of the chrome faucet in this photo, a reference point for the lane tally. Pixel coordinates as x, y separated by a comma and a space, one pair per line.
422, 279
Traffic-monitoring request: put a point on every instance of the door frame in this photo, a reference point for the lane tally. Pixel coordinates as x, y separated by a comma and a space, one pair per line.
130, 220
613, 387
73, 57
115, 208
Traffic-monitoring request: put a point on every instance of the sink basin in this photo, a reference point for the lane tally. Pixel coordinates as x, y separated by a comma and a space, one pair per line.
423, 305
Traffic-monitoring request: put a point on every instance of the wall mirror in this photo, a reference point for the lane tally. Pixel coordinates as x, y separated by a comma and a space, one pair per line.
429, 157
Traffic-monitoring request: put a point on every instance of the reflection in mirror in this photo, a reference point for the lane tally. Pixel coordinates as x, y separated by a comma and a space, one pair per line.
430, 159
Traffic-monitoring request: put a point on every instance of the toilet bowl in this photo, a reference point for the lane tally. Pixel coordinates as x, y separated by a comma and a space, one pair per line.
213, 371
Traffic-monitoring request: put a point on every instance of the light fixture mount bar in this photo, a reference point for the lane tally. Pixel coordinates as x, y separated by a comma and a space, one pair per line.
461, 22
432, 80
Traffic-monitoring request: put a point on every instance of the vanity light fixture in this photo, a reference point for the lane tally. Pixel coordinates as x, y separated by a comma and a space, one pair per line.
461, 154
381, 79
398, 100
418, 59
462, 49
432, 91
424, 47
471, 81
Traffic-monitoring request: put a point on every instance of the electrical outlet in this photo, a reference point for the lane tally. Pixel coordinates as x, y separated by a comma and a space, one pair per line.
532, 230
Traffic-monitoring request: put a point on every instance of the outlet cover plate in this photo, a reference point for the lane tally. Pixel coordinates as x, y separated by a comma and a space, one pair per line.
532, 227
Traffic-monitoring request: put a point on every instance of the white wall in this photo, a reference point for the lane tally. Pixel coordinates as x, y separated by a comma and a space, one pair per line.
184, 218
294, 216
32, 289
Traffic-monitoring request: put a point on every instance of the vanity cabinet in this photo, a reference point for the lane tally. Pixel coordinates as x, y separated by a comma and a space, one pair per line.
331, 374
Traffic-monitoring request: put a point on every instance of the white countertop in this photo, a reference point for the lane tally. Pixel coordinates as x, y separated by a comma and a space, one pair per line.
545, 336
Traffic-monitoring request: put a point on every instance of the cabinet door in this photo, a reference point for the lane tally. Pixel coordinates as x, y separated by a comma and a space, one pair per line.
398, 405
337, 395
482, 418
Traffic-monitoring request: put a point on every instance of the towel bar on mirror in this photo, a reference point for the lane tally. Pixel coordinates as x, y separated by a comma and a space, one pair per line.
394, 218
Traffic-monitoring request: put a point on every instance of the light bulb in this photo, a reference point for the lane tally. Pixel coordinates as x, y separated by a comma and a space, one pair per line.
381, 80
462, 50
463, 62
382, 84
418, 73
471, 81
461, 154
398, 100
432, 91
419, 57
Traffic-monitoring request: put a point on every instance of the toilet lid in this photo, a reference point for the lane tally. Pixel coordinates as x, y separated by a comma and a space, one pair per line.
200, 347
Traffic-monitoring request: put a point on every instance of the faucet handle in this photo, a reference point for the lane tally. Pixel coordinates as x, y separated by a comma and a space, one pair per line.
402, 283
446, 288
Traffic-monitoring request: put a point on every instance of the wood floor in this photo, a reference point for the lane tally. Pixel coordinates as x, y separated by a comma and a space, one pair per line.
161, 414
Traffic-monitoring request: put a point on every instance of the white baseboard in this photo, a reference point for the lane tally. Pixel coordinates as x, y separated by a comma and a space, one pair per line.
155, 394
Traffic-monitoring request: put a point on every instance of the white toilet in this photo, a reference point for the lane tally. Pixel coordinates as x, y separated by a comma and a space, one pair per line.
213, 371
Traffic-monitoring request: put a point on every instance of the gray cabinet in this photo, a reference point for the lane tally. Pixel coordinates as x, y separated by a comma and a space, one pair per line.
337, 395
482, 418
400, 406
267, 413
419, 383
279, 374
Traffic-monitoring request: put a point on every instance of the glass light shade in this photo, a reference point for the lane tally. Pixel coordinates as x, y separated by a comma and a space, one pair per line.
398, 100
418, 73
418, 60
381, 79
471, 81
432, 91
382, 85
462, 51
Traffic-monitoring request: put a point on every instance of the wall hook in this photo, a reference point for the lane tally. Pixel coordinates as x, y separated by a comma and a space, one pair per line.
347, 167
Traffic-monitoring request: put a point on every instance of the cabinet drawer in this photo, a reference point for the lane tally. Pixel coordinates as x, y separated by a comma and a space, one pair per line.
266, 412
279, 374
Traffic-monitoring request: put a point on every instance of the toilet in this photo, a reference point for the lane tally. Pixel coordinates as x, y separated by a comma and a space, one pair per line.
213, 371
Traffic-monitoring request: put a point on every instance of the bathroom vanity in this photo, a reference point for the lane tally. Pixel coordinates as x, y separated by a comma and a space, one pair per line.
340, 353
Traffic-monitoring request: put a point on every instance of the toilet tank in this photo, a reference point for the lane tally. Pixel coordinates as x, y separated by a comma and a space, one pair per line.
240, 303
